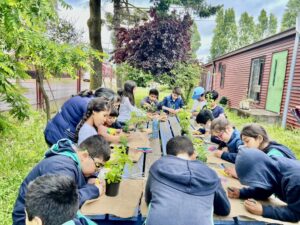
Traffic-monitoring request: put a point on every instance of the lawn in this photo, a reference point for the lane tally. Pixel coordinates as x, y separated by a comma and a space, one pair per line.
22, 146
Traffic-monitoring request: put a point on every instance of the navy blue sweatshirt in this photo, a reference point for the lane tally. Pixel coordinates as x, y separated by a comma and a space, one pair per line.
56, 162
283, 149
233, 146
267, 175
180, 191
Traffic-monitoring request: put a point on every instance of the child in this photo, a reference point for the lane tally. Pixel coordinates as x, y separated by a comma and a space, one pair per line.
151, 100
96, 115
255, 136
172, 103
51, 200
211, 97
66, 159
183, 190
265, 176
204, 118
64, 123
199, 100
127, 102
109, 133
225, 132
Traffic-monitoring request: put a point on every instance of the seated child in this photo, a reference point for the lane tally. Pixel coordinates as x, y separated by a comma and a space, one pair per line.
66, 159
183, 190
204, 118
255, 136
199, 100
150, 103
211, 97
225, 132
172, 103
53, 200
264, 177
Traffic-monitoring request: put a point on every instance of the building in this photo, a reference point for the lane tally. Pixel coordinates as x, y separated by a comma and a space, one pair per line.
259, 72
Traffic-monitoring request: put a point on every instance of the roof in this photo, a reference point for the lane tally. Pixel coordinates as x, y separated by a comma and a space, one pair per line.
273, 38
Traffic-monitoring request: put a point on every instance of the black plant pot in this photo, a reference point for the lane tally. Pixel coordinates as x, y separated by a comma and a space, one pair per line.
112, 189
183, 133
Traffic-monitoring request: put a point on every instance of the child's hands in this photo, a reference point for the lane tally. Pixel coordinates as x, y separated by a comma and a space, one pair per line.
231, 172
218, 153
253, 206
233, 192
100, 184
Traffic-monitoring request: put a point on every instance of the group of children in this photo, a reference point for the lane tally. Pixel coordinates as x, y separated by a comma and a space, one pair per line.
180, 189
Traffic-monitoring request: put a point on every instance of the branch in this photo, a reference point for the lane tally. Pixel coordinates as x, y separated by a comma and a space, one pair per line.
133, 6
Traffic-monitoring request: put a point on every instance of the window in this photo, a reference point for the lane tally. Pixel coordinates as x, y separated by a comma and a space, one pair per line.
222, 69
257, 68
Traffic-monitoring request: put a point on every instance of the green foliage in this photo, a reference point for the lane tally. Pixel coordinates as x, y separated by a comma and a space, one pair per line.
246, 30
223, 101
200, 149
184, 121
262, 26
290, 14
185, 76
195, 40
231, 29
272, 26
116, 165
22, 146
137, 120
127, 72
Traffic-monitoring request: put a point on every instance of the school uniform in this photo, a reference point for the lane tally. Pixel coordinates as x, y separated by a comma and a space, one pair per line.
217, 111
62, 159
148, 101
64, 123
80, 220
170, 103
233, 147
180, 191
276, 149
270, 175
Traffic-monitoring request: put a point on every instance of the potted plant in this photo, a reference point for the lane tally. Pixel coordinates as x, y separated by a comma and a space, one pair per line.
115, 168
137, 121
199, 148
184, 121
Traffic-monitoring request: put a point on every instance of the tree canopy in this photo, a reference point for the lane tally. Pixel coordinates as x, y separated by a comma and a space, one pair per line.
290, 14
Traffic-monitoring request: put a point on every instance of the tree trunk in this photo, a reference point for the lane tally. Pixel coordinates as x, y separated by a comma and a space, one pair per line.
116, 26
94, 24
40, 80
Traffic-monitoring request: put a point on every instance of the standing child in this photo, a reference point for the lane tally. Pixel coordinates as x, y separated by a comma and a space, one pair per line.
127, 102
183, 190
264, 177
53, 199
172, 103
97, 112
66, 159
225, 132
199, 100
150, 103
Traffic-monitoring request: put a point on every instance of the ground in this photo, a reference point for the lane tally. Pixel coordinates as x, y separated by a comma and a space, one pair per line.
22, 146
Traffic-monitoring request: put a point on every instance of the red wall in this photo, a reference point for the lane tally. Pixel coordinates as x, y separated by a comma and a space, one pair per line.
238, 69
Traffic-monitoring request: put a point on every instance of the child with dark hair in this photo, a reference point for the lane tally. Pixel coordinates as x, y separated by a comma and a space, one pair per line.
52, 200
265, 176
66, 159
95, 116
212, 96
255, 136
204, 118
172, 103
224, 131
151, 100
178, 179
127, 102
64, 123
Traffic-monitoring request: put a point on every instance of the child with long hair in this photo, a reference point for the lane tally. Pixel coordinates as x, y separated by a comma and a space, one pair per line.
97, 112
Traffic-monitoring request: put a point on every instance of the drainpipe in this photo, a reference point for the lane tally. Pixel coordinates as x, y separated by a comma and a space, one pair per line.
291, 75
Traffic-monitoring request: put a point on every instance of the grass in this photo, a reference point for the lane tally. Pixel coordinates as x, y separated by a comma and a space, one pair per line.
22, 146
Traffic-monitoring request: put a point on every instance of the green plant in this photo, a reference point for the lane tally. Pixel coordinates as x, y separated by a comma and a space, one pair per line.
116, 165
137, 120
223, 101
199, 148
184, 121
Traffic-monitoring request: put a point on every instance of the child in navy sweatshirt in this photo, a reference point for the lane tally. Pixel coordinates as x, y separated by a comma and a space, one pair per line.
183, 190
265, 176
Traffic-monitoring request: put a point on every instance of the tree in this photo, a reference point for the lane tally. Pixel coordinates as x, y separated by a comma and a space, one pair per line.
231, 29
262, 26
246, 30
156, 45
272, 26
94, 24
195, 40
219, 43
290, 14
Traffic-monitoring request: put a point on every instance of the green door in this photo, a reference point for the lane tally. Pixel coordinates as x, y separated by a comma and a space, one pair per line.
276, 81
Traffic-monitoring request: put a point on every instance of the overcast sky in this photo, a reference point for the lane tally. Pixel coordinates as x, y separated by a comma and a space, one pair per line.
80, 14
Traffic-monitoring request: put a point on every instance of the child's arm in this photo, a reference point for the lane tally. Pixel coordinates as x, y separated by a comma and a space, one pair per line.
256, 193
102, 130
144, 103
221, 202
148, 195
283, 213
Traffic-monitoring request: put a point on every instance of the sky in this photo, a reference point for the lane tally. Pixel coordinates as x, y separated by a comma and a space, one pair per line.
79, 15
